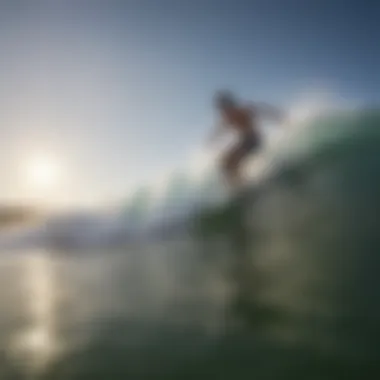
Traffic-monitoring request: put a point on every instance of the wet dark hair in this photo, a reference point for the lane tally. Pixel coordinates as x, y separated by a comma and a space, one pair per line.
224, 99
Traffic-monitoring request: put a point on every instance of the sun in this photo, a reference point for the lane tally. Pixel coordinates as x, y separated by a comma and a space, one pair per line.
43, 172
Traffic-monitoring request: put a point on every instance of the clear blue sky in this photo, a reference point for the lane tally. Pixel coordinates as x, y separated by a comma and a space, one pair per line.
119, 90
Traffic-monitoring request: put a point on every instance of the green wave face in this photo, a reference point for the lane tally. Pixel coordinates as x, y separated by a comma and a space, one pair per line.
307, 240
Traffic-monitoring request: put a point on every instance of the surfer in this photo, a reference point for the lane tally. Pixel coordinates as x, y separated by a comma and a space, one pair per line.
243, 119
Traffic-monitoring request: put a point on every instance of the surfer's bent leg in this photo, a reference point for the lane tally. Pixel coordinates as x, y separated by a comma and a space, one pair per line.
232, 160
231, 165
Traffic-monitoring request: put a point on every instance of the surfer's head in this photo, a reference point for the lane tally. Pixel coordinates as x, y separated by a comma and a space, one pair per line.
225, 100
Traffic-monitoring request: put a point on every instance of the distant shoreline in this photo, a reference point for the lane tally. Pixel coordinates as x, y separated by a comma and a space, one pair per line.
13, 216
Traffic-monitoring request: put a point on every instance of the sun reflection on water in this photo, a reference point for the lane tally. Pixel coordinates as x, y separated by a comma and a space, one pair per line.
36, 345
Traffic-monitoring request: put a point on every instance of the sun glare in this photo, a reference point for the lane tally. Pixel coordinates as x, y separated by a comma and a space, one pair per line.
43, 172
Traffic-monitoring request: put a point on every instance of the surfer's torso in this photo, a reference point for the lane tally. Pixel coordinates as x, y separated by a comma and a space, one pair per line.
242, 120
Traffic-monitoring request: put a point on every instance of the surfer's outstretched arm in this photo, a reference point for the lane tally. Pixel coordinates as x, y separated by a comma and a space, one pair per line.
269, 112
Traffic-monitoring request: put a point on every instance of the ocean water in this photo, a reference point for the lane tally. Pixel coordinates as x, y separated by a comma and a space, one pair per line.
282, 283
